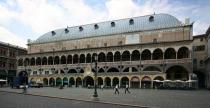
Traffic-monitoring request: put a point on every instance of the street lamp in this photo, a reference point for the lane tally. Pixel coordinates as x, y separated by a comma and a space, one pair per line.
95, 95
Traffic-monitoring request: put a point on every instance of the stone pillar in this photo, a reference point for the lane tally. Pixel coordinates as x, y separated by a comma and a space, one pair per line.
111, 83
119, 83
152, 84
139, 83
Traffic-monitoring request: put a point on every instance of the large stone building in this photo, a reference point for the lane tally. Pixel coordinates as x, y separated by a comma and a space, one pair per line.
207, 60
138, 51
8, 60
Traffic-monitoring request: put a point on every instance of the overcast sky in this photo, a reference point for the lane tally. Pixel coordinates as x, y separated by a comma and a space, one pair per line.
28, 19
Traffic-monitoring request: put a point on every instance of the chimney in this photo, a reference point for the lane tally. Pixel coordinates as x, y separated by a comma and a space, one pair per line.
187, 21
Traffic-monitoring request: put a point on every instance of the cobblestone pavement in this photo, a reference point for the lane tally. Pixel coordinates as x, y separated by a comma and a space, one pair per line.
11, 100
141, 97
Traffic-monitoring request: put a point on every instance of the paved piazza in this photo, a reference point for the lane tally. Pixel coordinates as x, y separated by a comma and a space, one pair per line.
141, 97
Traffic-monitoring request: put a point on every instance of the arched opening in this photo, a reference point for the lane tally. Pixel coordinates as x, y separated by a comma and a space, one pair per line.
146, 82
75, 59
62, 71
115, 81
58, 81
183, 52
65, 81
23, 77
26, 62
108, 82
20, 62
124, 81
170, 53
152, 68
134, 69
126, 56
32, 61
135, 55
38, 61
52, 82
201, 79
93, 57
88, 81
117, 56
78, 81
109, 57
56, 60
177, 73
50, 60
88, 58
146, 55
71, 81
82, 58
101, 57
63, 59
81, 71
101, 70
100, 81
69, 59
44, 61
158, 82
157, 54
113, 70
45, 82
72, 71
135, 82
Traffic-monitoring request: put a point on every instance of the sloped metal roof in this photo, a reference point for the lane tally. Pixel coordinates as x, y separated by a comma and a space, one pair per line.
105, 29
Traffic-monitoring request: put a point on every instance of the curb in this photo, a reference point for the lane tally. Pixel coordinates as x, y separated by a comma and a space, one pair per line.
79, 100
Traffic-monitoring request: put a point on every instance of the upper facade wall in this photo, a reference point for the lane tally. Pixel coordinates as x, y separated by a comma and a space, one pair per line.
163, 35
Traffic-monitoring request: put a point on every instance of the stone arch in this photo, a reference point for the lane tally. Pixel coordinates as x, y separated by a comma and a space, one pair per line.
26, 62
126, 69
32, 61
135, 82
93, 57
146, 55
157, 82
126, 56
100, 81
134, 69
56, 60
69, 59
75, 59
115, 81
38, 61
146, 82
117, 56
109, 57
44, 61
58, 81
108, 82
101, 70
45, 81
72, 71
88, 80
50, 60
88, 58
63, 59
101, 57
52, 82
183, 52
82, 58
170, 53
20, 62
152, 68
78, 81
157, 54
71, 81
159, 78
81, 71
124, 81
113, 69
135, 55
177, 72
65, 81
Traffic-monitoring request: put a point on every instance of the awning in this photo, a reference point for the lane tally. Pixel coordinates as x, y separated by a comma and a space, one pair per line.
2, 80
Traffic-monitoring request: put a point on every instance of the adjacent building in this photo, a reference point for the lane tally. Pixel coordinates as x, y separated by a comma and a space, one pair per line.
138, 51
8, 60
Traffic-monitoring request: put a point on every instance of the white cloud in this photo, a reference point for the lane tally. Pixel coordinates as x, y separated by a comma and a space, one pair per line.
8, 37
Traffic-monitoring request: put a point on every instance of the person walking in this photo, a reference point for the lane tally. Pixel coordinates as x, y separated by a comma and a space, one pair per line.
126, 89
116, 89
102, 87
